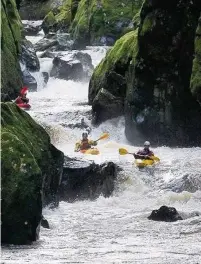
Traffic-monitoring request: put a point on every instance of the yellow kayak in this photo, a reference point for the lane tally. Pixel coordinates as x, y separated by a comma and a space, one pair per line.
141, 163
92, 151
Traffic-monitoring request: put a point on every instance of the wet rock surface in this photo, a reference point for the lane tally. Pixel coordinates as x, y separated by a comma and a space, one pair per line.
86, 180
74, 66
166, 214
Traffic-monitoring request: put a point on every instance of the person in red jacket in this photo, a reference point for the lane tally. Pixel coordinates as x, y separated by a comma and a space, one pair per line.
145, 153
22, 99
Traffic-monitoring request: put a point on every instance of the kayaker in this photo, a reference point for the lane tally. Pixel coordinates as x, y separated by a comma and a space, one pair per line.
22, 99
84, 143
145, 153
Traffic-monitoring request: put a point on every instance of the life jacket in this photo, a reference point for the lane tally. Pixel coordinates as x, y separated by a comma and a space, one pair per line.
84, 144
145, 152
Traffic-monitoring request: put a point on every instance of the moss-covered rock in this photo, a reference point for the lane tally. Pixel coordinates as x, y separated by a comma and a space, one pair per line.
102, 22
110, 73
31, 174
36, 9
58, 18
11, 78
196, 71
159, 103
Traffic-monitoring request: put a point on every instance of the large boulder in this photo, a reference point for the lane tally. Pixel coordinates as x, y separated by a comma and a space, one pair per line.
102, 22
106, 105
158, 83
55, 42
31, 173
11, 77
110, 76
166, 214
31, 28
28, 56
74, 66
36, 9
86, 180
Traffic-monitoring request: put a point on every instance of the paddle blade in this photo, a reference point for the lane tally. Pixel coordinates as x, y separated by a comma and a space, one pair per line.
104, 136
123, 151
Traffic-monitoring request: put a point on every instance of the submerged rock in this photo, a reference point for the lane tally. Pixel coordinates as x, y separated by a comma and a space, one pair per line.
166, 214
74, 66
86, 180
31, 173
28, 56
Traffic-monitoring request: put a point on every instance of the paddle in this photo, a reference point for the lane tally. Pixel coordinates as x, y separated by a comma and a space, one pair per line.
104, 136
123, 151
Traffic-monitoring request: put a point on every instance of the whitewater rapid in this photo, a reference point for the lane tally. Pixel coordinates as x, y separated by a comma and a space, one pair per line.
115, 229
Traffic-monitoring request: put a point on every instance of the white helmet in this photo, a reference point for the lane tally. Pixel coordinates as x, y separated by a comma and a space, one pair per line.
147, 143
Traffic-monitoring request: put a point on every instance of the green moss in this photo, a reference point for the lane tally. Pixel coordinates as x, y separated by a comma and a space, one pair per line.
117, 59
11, 79
30, 169
97, 19
125, 48
147, 24
59, 18
196, 70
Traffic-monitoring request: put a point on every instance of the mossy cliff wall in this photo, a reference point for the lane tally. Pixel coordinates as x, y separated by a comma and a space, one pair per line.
159, 102
31, 171
11, 78
159, 73
102, 22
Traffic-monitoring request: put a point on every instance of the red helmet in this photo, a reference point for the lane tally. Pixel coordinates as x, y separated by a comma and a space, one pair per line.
24, 90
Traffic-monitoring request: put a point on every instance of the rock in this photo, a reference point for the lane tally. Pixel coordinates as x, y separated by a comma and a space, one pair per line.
11, 78
46, 77
74, 66
195, 84
110, 74
47, 54
58, 18
5, 98
103, 22
86, 180
158, 83
45, 43
37, 9
44, 223
55, 42
166, 214
106, 106
31, 28
31, 174
28, 56
190, 182
29, 80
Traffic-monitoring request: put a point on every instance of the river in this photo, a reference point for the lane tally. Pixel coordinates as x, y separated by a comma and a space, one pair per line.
115, 229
